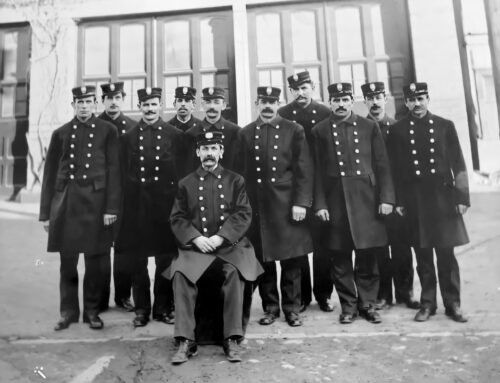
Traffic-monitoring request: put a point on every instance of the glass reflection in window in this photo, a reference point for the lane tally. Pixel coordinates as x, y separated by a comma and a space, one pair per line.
9, 53
304, 41
177, 45
348, 25
132, 48
268, 38
96, 53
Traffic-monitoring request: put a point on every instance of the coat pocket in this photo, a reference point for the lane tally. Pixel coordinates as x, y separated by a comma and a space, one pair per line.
99, 184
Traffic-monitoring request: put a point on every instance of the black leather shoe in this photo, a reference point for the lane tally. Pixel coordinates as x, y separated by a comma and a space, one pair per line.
165, 318
186, 349
140, 320
424, 314
456, 314
303, 307
293, 319
347, 318
125, 304
267, 319
410, 303
370, 315
381, 304
230, 347
95, 323
64, 323
325, 306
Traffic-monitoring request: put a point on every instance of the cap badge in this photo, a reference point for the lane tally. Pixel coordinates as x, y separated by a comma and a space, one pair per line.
210, 91
269, 91
295, 77
372, 87
148, 90
112, 87
209, 135
413, 87
339, 87
83, 89
184, 90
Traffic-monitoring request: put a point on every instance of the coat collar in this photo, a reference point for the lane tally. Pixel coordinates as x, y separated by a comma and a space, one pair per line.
274, 122
106, 117
91, 121
351, 120
427, 119
217, 171
156, 126
383, 121
219, 125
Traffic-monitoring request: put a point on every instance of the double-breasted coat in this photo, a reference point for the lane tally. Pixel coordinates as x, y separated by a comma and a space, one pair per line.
152, 165
123, 123
352, 178
231, 140
81, 183
431, 179
279, 175
213, 203
184, 126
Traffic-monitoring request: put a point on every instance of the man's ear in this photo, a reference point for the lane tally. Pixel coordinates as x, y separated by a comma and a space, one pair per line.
198, 152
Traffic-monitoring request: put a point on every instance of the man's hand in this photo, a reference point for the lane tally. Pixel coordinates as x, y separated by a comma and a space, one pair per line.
462, 209
385, 209
216, 240
46, 225
323, 215
204, 244
298, 213
400, 210
109, 219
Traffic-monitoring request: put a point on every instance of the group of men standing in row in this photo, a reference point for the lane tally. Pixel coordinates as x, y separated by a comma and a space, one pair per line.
300, 178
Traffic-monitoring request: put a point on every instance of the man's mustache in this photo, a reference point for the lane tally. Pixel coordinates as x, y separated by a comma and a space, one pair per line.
267, 110
209, 158
150, 112
341, 108
211, 110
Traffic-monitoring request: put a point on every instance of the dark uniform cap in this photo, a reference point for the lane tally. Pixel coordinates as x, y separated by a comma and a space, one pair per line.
268, 93
185, 92
340, 89
372, 88
298, 78
112, 88
83, 91
147, 93
207, 138
213, 92
415, 89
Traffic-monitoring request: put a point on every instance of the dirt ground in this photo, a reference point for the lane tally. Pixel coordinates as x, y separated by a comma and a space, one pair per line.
322, 350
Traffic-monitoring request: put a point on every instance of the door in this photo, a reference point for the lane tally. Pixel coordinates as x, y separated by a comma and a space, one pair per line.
14, 82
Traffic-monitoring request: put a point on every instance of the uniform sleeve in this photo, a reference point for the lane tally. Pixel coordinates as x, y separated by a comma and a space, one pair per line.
181, 220
237, 224
457, 165
113, 173
303, 171
382, 168
49, 175
319, 189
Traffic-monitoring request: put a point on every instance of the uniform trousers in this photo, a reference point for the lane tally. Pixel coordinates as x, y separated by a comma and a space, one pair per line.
395, 266
92, 284
186, 293
290, 286
448, 274
162, 288
122, 278
358, 286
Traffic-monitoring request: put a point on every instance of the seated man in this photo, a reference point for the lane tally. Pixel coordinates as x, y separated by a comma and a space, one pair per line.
210, 216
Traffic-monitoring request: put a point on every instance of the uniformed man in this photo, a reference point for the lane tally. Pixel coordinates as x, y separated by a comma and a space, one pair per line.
213, 103
432, 194
113, 96
353, 189
308, 112
397, 264
279, 178
184, 104
152, 163
79, 203
210, 217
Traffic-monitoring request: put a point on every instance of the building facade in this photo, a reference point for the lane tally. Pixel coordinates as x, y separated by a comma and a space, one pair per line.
234, 44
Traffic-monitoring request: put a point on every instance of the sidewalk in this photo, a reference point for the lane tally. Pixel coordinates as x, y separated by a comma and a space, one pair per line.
29, 285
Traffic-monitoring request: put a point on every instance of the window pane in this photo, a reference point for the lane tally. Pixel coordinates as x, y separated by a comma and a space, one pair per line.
96, 54
215, 32
10, 56
264, 77
222, 81
383, 74
268, 38
345, 73
378, 30
172, 82
272, 77
359, 78
132, 49
177, 45
207, 80
348, 25
207, 43
21, 100
304, 41
8, 94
